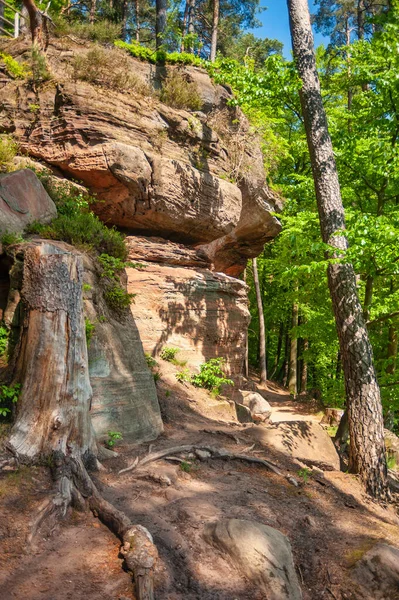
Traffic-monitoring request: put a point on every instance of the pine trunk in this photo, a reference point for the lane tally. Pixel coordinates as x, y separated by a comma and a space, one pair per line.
366, 428
160, 22
137, 19
262, 332
35, 20
215, 25
93, 8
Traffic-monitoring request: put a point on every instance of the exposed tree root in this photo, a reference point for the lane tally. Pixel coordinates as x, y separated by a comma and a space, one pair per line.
214, 453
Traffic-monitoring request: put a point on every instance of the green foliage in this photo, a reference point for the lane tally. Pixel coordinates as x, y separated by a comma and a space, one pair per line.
391, 462
211, 376
160, 56
108, 67
15, 69
150, 360
34, 108
8, 239
183, 376
186, 466
8, 151
86, 287
113, 438
4, 333
102, 31
8, 396
177, 91
157, 376
168, 353
305, 474
90, 328
39, 68
117, 298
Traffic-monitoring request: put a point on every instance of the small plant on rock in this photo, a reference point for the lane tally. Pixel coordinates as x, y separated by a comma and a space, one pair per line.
211, 376
183, 376
168, 353
8, 151
305, 474
178, 92
8, 396
186, 466
150, 360
4, 333
89, 330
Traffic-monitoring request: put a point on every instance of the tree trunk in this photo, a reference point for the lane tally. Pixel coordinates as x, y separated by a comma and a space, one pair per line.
392, 349
190, 27
279, 347
160, 24
360, 19
93, 8
367, 447
35, 20
137, 19
304, 374
262, 333
215, 25
246, 360
292, 382
125, 11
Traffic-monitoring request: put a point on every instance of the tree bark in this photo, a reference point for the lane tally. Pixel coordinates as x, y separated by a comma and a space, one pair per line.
366, 428
215, 26
246, 360
293, 378
190, 26
160, 24
35, 20
360, 19
137, 19
262, 332
93, 8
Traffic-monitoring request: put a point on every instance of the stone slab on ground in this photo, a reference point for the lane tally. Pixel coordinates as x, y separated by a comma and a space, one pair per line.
259, 407
305, 440
261, 553
23, 200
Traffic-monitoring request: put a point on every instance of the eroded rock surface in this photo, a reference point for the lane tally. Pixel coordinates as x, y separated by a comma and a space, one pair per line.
23, 200
156, 170
261, 553
378, 573
259, 408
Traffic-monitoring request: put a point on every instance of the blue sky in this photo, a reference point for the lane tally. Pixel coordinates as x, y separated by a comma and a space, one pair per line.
275, 24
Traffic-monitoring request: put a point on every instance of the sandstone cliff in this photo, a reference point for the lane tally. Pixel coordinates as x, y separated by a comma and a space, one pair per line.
188, 187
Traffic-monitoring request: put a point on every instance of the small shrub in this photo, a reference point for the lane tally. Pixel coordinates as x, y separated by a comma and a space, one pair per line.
168, 353
160, 56
15, 69
178, 92
113, 437
86, 287
112, 265
101, 31
89, 330
157, 376
34, 108
40, 72
186, 466
150, 360
183, 376
8, 396
168, 393
211, 376
109, 68
4, 333
8, 239
305, 474
391, 462
117, 298
8, 151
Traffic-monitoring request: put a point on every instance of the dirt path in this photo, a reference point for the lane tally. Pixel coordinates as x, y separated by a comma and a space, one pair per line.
284, 408
328, 520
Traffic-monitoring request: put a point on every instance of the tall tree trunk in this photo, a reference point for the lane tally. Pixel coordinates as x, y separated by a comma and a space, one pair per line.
392, 349
262, 332
160, 24
246, 360
35, 20
279, 347
286, 363
304, 374
366, 427
137, 19
361, 14
93, 9
190, 25
293, 379
125, 11
215, 25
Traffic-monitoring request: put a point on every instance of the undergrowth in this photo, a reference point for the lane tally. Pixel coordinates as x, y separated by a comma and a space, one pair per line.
14, 69
8, 396
160, 56
8, 151
177, 91
103, 31
211, 376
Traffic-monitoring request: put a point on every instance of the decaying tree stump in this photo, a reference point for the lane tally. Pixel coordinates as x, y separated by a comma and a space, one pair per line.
52, 420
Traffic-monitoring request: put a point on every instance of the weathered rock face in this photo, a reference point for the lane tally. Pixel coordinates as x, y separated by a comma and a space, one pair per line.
157, 170
259, 408
23, 200
378, 573
261, 553
202, 313
304, 440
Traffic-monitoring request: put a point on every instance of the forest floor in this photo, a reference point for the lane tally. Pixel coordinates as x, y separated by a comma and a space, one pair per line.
329, 520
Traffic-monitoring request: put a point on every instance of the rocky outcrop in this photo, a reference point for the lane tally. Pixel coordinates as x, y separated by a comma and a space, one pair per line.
23, 200
259, 408
303, 440
378, 573
204, 314
156, 170
261, 553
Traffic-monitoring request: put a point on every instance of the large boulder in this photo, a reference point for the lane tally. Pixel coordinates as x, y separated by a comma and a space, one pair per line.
23, 200
378, 573
259, 408
261, 553
306, 441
